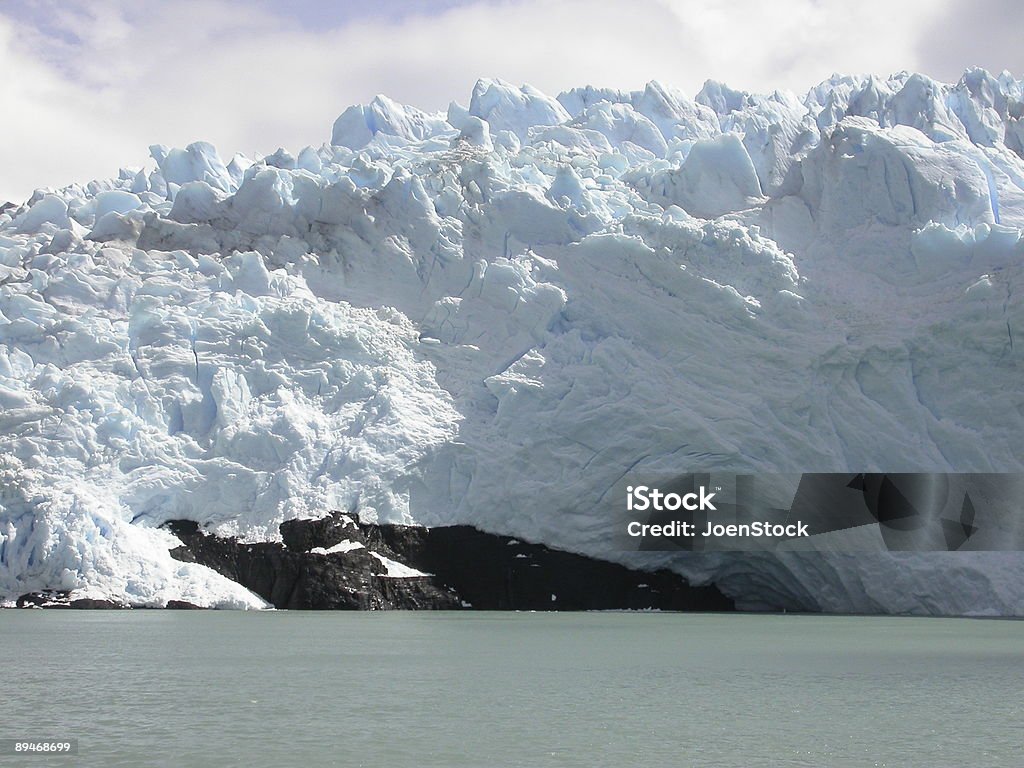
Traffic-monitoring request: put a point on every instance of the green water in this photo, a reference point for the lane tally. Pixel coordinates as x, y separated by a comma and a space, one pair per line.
476, 690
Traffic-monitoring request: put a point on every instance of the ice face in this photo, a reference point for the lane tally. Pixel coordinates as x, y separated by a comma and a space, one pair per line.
496, 315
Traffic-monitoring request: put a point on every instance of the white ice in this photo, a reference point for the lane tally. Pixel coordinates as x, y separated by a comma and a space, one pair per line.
397, 570
500, 314
342, 546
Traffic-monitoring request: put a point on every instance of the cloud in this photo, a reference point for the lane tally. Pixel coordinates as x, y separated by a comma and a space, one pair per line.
974, 33
50, 132
97, 82
794, 44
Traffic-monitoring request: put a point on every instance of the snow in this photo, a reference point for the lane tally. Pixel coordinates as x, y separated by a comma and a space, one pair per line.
506, 107
358, 125
717, 177
502, 314
48, 210
397, 570
342, 546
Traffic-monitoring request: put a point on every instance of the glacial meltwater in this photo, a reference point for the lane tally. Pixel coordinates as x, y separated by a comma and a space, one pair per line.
489, 690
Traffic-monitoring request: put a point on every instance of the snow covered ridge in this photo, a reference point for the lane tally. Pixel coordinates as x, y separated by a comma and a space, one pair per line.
501, 314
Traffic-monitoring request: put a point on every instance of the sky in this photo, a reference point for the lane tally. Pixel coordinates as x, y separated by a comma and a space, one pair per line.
87, 86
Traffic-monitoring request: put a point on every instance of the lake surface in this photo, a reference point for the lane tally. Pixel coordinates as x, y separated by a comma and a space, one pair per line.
482, 690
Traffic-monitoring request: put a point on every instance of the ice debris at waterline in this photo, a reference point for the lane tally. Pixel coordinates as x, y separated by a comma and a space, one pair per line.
497, 315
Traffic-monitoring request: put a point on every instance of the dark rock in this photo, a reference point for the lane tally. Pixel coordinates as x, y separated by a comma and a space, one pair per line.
45, 599
88, 603
53, 598
183, 605
501, 573
299, 579
182, 528
303, 535
467, 568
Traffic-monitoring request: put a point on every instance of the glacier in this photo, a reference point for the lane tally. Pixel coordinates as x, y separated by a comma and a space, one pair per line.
498, 314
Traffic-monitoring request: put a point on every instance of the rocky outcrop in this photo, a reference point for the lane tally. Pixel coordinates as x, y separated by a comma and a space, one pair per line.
339, 563
297, 577
62, 599
492, 572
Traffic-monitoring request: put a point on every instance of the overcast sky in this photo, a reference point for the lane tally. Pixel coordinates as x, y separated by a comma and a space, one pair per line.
87, 86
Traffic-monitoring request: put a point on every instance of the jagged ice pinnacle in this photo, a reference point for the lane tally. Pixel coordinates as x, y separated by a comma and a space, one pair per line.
497, 315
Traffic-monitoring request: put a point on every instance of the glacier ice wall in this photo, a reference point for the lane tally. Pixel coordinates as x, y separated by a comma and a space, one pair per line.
498, 314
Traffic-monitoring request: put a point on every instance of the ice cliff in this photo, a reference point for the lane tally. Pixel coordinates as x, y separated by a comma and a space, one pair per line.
497, 314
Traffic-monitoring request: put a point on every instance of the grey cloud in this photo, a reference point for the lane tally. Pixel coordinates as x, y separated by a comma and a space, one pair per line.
983, 33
